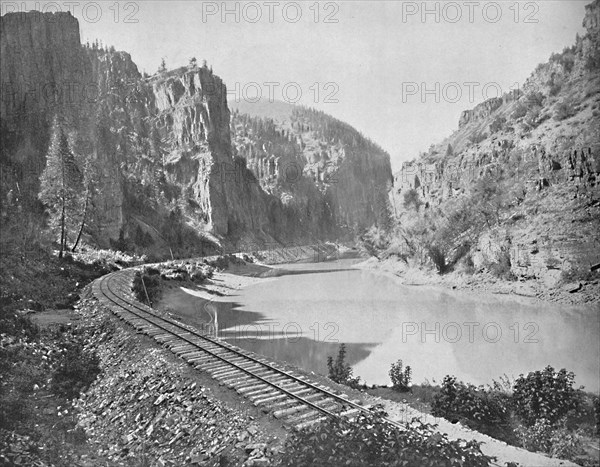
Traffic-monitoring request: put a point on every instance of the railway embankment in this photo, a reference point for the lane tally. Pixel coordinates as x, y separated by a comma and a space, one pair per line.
148, 407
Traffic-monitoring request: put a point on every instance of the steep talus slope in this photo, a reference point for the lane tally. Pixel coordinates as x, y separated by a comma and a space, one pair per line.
167, 173
539, 148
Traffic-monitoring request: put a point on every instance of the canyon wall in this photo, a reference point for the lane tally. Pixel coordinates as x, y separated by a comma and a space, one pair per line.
162, 148
538, 150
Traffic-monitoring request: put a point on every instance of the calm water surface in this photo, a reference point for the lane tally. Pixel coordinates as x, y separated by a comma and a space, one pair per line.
302, 317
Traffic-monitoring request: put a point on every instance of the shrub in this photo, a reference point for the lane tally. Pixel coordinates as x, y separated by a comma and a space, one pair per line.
533, 118
375, 240
502, 267
498, 124
468, 266
400, 377
545, 395
535, 98
16, 324
369, 441
339, 371
537, 437
411, 200
565, 444
484, 410
563, 111
146, 287
520, 111
438, 256
556, 441
577, 273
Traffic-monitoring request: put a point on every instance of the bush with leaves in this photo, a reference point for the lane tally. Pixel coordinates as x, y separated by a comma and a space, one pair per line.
563, 111
375, 240
555, 440
566, 444
485, 410
400, 377
498, 124
369, 441
146, 287
545, 394
339, 371
536, 437
520, 111
411, 200
502, 267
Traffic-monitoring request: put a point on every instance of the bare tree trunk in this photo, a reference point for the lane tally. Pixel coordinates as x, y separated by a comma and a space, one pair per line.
85, 208
62, 215
62, 229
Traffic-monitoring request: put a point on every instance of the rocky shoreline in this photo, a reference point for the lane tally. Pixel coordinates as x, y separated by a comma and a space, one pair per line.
576, 293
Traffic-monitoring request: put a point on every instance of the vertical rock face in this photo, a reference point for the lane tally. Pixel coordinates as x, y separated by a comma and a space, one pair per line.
162, 145
41, 73
539, 147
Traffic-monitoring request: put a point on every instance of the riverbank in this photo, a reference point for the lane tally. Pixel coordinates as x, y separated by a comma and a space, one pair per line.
576, 293
192, 304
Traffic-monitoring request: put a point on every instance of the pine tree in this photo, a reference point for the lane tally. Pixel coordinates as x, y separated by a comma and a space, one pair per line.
61, 184
163, 66
91, 175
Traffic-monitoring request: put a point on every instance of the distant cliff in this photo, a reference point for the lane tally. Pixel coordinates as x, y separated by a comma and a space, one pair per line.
322, 169
168, 172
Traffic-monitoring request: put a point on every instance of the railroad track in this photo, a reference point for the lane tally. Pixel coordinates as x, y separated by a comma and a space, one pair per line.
293, 398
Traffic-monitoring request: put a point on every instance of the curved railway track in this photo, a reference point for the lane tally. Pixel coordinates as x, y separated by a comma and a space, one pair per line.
294, 399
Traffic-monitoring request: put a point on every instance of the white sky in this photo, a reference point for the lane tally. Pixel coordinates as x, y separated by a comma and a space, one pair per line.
373, 53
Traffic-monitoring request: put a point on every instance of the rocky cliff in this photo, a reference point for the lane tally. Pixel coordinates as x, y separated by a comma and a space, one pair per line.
167, 172
536, 153
322, 169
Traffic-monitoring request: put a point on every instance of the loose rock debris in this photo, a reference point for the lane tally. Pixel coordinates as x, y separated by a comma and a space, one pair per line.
146, 409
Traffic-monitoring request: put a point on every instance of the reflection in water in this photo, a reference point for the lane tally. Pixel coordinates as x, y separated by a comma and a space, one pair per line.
301, 318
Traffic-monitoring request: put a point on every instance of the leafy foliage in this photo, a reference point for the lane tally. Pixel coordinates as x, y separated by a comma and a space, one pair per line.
146, 287
369, 441
375, 240
400, 377
545, 394
536, 437
411, 200
484, 410
547, 437
498, 124
502, 267
339, 371
563, 111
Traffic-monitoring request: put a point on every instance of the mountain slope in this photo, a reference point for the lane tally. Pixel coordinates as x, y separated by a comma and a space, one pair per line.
168, 175
523, 170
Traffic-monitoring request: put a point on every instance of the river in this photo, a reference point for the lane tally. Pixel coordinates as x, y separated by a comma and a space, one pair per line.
302, 316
